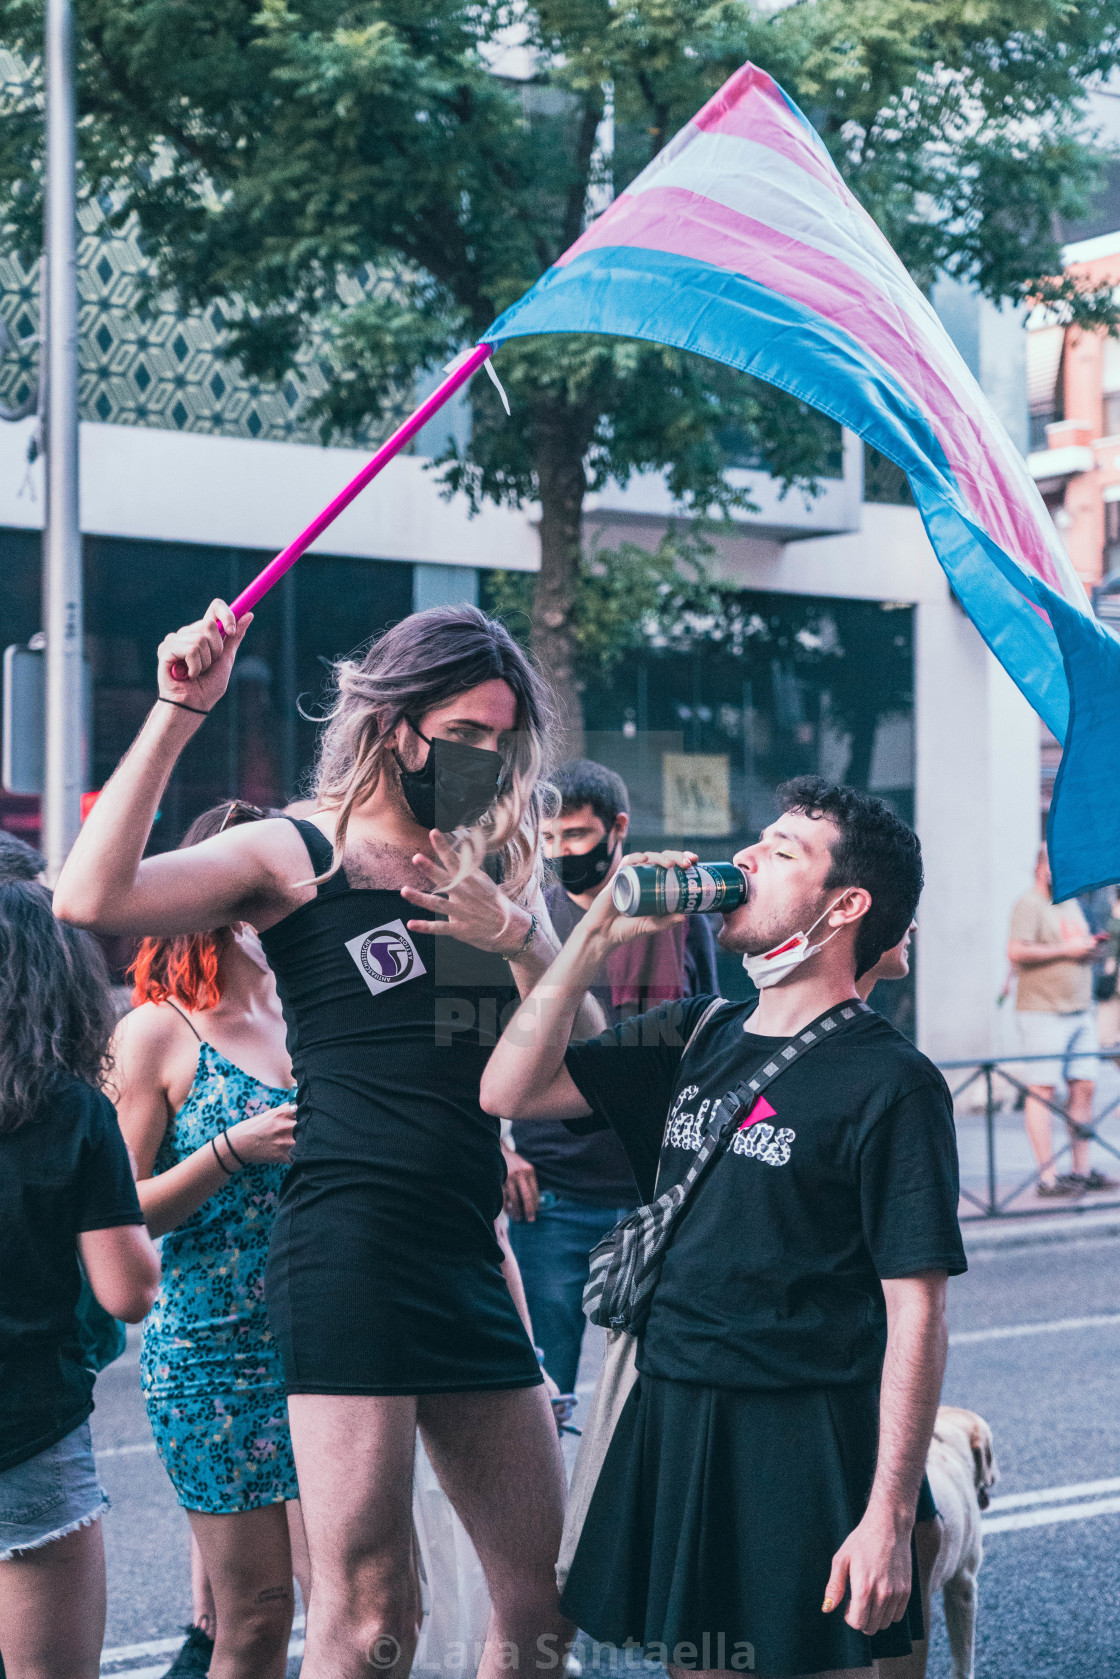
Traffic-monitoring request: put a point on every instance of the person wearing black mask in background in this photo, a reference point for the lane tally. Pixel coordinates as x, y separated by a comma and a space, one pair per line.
564, 1192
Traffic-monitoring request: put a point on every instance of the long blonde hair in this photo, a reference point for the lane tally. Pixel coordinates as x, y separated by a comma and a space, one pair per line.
423, 662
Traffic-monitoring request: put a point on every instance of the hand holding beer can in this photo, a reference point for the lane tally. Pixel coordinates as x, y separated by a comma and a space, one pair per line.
704, 889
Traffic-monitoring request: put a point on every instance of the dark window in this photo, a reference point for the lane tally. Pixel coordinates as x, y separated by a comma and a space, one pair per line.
1111, 537
883, 481
818, 686
256, 746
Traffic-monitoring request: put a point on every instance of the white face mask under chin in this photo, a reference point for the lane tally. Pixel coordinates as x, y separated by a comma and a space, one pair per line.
773, 965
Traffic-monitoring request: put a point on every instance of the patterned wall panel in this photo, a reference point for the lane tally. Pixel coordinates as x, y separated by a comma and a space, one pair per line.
147, 365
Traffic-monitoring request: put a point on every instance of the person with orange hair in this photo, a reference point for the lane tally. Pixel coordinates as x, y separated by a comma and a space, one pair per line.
204, 1093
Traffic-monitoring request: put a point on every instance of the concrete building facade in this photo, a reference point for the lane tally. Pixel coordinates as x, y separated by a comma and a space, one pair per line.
849, 656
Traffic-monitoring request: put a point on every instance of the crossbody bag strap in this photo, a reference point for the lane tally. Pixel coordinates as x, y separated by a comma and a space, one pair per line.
716, 1003
725, 1112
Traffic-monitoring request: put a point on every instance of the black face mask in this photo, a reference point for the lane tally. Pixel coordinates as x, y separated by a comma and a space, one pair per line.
456, 785
582, 871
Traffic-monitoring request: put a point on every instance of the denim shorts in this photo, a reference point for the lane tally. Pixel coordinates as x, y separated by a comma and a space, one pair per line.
52, 1494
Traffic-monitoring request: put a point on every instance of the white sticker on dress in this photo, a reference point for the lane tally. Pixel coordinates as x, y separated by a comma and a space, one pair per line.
386, 956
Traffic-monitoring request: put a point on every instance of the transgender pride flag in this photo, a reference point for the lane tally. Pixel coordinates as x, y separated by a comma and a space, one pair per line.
742, 243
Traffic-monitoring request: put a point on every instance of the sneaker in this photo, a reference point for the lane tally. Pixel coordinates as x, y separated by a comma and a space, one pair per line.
1067, 1185
1098, 1180
194, 1657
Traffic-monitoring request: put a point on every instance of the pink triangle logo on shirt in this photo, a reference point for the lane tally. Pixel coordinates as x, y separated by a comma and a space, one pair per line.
761, 1110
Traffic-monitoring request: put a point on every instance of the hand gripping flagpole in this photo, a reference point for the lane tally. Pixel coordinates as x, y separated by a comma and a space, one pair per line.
459, 371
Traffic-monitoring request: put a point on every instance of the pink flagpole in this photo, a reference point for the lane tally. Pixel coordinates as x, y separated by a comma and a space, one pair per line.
288, 556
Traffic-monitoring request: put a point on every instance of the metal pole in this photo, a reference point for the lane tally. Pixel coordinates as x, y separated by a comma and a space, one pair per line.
62, 542
990, 1130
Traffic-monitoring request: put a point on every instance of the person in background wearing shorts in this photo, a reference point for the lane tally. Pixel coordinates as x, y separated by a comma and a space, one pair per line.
66, 1190
563, 1192
1052, 952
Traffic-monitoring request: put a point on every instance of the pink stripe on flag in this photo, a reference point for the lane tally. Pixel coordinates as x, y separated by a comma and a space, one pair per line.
686, 224
769, 121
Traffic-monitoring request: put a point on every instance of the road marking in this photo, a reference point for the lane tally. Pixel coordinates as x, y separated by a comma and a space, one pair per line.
132, 1652
125, 1451
1053, 1514
1012, 1332
165, 1647
1052, 1495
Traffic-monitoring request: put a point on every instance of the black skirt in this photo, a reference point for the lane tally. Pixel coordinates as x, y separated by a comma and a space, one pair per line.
361, 1300
711, 1532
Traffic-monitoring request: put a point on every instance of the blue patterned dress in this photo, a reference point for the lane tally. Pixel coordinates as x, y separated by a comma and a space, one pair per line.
209, 1368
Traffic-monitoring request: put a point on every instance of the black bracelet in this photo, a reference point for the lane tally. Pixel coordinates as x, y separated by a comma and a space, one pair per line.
183, 706
218, 1158
526, 941
232, 1150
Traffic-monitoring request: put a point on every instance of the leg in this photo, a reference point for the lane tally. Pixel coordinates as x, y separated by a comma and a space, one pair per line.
52, 1608
554, 1254
498, 1459
1036, 1118
297, 1539
960, 1622
248, 1563
927, 1541
202, 1598
354, 1455
1080, 1114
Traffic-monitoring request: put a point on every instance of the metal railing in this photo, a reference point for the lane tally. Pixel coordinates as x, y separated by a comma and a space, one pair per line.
999, 1204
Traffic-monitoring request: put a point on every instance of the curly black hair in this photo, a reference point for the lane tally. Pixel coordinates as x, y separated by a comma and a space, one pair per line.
56, 1010
875, 850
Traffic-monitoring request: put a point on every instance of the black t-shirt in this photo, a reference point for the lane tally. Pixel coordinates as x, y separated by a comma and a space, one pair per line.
59, 1175
845, 1172
594, 1168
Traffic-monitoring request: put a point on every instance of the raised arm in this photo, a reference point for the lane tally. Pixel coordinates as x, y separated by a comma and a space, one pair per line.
874, 1561
526, 1075
106, 881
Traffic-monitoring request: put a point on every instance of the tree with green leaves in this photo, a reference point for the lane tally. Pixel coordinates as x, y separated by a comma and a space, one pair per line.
446, 152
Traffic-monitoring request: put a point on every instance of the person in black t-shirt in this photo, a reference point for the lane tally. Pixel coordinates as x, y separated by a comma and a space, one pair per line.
756, 1505
563, 1191
66, 1191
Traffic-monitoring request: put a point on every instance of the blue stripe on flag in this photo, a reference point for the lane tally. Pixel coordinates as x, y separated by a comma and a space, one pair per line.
654, 295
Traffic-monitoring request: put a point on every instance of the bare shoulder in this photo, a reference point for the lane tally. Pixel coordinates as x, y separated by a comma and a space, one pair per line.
147, 1034
152, 1048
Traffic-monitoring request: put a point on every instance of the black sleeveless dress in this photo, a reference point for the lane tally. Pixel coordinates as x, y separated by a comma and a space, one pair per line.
384, 1274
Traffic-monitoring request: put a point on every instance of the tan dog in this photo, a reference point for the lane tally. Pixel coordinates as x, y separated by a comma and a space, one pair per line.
961, 1467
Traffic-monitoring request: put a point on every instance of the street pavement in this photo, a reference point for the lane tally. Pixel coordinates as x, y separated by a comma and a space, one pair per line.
1036, 1350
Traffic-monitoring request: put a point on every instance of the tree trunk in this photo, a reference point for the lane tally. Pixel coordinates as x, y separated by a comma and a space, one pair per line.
563, 485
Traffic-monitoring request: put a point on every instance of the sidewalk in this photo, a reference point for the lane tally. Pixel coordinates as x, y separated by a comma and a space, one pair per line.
1040, 1229
1015, 1164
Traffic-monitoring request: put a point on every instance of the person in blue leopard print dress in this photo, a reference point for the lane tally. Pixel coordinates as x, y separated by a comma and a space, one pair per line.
209, 1369
204, 1093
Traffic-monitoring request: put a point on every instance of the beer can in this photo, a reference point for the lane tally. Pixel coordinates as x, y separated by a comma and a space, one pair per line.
704, 889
